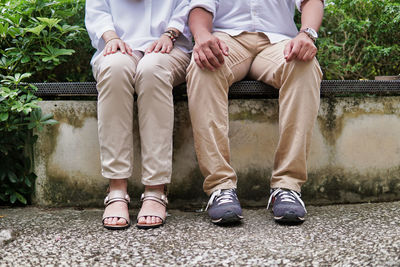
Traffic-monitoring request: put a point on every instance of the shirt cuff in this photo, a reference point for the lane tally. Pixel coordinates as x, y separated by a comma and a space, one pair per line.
209, 6
102, 30
298, 4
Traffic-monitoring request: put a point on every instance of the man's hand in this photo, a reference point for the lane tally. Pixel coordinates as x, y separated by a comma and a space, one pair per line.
209, 51
163, 45
300, 48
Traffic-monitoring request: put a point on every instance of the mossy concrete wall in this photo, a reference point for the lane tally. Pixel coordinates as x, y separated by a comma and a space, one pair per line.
355, 154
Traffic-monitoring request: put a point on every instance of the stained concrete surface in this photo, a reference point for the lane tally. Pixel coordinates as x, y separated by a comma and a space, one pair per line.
339, 235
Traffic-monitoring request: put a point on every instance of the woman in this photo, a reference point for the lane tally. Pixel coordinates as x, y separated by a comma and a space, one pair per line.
142, 47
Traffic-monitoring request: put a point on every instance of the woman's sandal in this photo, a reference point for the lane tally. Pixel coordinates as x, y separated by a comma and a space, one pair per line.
117, 196
157, 197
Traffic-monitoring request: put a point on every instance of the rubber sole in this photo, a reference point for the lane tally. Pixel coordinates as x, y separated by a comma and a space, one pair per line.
146, 227
227, 219
109, 227
289, 218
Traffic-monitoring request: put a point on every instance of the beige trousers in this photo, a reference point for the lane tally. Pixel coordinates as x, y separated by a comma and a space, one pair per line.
152, 77
252, 55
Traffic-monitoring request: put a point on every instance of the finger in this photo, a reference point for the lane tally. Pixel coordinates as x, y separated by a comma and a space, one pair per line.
169, 48
288, 49
217, 51
212, 59
158, 47
204, 61
129, 49
223, 47
122, 47
197, 60
164, 48
293, 53
107, 50
302, 52
114, 47
151, 47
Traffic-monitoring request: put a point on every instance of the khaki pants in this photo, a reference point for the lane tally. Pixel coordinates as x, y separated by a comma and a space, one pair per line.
152, 77
252, 55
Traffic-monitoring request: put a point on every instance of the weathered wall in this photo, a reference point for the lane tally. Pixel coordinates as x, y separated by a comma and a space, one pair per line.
355, 154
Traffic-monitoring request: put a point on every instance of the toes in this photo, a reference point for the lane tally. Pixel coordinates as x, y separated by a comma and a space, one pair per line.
114, 221
142, 220
121, 221
148, 220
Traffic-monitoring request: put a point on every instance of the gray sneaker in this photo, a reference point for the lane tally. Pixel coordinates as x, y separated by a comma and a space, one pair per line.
224, 207
287, 206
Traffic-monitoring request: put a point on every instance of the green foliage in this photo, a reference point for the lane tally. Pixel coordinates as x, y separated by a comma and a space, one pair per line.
360, 39
19, 114
39, 37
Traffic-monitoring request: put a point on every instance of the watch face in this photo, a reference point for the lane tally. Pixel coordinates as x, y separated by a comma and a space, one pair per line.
312, 32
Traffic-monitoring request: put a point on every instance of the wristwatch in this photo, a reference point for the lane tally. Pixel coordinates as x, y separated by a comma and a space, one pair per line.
311, 33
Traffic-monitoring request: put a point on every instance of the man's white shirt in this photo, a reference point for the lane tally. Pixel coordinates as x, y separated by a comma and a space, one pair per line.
138, 23
274, 18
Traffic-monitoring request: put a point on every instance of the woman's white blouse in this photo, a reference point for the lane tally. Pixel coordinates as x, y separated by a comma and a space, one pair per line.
137, 22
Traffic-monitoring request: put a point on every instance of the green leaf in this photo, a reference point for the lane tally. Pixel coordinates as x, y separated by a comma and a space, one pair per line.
28, 182
49, 22
46, 117
36, 30
21, 198
3, 116
13, 197
50, 122
12, 177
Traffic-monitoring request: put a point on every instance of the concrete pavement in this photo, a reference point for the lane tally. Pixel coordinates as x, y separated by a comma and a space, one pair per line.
340, 235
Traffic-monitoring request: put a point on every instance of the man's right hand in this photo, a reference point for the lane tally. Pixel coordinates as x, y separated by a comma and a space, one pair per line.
209, 51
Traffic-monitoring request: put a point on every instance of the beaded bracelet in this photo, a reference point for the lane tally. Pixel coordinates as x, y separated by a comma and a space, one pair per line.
171, 35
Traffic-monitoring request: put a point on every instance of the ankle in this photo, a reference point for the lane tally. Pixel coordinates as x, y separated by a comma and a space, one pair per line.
155, 188
119, 184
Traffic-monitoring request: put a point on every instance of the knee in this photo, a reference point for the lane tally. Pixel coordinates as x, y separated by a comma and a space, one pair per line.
153, 68
117, 67
305, 70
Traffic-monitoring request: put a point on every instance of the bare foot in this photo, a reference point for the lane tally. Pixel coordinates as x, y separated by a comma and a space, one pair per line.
152, 207
117, 207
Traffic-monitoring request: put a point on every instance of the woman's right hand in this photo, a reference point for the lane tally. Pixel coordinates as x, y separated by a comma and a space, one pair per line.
115, 44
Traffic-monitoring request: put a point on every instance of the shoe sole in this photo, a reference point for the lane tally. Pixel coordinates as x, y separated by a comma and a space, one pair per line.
289, 218
228, 218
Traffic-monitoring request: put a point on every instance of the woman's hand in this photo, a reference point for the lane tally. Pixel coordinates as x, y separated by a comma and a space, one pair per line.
115, 44
163, 45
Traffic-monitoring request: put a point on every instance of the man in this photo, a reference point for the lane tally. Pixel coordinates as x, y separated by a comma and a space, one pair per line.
258, 39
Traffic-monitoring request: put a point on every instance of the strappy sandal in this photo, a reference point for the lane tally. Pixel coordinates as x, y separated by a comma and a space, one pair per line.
117, 196
157, 197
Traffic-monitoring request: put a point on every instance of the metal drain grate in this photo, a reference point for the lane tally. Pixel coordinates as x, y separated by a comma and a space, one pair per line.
239, 89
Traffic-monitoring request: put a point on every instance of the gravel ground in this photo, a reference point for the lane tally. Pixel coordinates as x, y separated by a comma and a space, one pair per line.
341, 235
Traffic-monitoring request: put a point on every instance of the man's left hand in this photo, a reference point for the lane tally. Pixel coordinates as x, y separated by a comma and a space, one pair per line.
300, 48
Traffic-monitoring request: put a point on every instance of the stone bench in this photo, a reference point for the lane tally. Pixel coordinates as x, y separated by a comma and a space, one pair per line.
354, 157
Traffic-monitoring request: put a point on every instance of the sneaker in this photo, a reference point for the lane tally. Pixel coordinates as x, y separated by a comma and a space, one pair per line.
287, 206
224, 207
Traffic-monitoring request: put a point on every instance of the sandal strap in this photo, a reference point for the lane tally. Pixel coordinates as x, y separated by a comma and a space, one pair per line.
115, 196
155, 196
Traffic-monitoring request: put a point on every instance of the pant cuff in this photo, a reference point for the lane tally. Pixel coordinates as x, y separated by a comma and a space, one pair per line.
226, 185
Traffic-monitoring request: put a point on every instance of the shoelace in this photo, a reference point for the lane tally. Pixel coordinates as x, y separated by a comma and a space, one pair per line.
286, 196
225, 196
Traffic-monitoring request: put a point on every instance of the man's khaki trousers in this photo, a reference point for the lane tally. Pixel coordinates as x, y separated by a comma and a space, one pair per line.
252, 55
152, 77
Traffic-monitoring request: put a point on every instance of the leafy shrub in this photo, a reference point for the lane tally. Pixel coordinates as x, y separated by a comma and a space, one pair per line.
19, 114
38, 38
360, 39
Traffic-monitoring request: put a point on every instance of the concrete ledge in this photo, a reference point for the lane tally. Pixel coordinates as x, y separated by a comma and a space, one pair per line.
355, 154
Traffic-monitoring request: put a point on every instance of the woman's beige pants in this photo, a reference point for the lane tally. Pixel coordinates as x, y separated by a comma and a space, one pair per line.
251, 54
152, 77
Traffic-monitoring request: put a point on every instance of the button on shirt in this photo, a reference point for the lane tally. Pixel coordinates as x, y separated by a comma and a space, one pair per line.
138, 23
274, 18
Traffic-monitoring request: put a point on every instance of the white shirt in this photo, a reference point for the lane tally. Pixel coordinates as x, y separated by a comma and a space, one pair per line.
274, 18
137, 22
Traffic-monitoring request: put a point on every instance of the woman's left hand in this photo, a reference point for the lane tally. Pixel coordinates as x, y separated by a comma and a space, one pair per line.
163, 45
